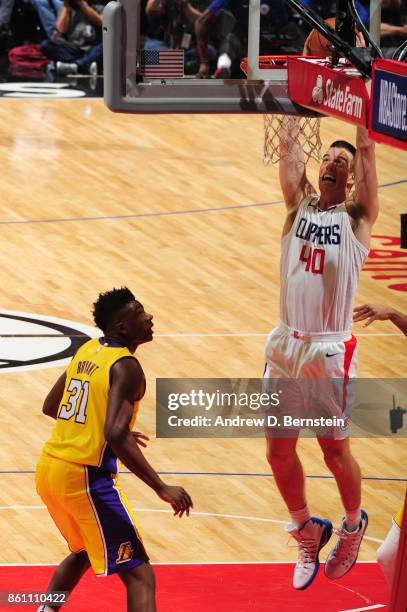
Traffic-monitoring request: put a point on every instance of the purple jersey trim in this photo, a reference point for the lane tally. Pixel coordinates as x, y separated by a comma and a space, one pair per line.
123, 546
104, 342
109, 460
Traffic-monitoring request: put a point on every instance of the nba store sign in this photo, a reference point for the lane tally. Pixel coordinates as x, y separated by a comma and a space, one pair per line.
389, 104
340, 92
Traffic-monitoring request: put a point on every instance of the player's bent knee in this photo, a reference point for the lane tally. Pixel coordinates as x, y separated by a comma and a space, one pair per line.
82, 559
142, 574
82, 556
280, 458
336, 459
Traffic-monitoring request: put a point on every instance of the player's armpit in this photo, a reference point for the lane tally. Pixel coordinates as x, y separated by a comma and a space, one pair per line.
126, 387
126, 384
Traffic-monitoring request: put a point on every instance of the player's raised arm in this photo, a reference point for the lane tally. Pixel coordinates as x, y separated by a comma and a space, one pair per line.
293, 179
365, 197
127, 382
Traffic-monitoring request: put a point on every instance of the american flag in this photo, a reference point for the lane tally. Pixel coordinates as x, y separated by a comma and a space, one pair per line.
162, 64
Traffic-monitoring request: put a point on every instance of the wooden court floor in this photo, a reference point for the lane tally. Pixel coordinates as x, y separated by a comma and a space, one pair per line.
182, 210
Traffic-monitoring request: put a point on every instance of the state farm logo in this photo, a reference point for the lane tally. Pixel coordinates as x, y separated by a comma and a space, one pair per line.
30, 341
317, 93
337, 97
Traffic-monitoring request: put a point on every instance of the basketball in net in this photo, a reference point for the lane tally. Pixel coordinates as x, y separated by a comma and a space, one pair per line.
318, 44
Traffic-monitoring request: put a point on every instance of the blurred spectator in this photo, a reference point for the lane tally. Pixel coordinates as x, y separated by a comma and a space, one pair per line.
279, 32
173, 22
229, 18
393, 27
363, 9
153, 29
77, 46
6, 9
48, 11
170, 25
323, 8
327, 8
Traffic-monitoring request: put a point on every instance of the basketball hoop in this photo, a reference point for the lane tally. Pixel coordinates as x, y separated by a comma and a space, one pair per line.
295, 131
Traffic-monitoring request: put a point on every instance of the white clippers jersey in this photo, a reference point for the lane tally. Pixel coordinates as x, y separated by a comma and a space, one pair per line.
320, 264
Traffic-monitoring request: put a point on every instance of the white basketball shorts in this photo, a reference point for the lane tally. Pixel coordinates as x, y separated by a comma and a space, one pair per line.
324, 366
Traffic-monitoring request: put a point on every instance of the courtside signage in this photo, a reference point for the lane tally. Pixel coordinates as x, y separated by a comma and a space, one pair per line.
340, 92
388, 118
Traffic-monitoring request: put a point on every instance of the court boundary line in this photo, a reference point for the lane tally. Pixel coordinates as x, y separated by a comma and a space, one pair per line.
164, 213
181, 563
189, 335
373, 607
241, 517
252, 334
238, 474
167, 213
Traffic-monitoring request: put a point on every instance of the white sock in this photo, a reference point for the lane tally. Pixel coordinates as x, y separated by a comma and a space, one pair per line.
352, 519
386, 554
301, 516
224, 61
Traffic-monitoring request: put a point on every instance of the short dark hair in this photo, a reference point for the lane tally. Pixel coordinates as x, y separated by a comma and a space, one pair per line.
344, 144
108, 305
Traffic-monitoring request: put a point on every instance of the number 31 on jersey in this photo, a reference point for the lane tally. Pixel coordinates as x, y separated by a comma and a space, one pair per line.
77, 401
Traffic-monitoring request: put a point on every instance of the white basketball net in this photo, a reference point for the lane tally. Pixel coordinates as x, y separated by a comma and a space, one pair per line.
294, 132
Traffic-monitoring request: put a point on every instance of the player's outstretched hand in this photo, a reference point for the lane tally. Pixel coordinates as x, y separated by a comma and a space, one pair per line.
178, 498
140, 437
371, 312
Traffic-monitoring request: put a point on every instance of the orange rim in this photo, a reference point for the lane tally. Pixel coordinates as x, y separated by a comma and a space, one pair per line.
269, 62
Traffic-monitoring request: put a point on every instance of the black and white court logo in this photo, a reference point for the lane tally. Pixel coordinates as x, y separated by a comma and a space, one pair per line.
30, 341
39, 90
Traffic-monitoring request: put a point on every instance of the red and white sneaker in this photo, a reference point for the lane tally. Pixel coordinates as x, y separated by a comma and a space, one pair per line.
343, 556
311, 538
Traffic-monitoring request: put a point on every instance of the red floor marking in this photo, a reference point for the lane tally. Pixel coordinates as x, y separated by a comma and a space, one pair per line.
224, 588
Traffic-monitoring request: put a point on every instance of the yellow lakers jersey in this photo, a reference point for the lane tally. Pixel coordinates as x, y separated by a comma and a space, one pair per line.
78, 434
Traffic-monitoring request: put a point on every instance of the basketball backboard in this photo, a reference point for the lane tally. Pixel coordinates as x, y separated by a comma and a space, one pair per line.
152, 55
144, 74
